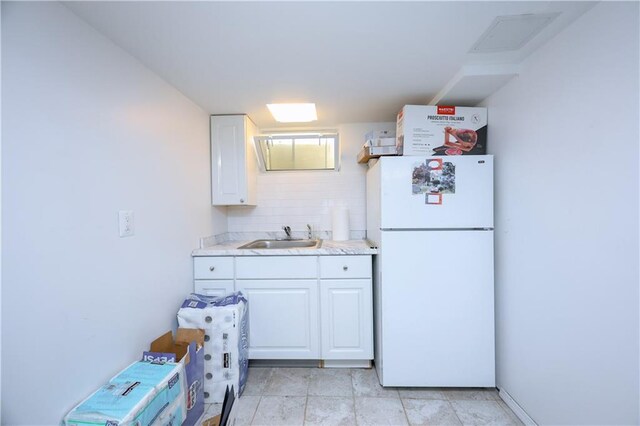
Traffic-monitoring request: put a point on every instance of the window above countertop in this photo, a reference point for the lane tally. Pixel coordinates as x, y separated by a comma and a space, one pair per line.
291, 151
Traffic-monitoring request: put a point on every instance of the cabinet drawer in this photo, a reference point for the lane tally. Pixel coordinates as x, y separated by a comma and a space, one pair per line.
345, 266
211, 268
279, 267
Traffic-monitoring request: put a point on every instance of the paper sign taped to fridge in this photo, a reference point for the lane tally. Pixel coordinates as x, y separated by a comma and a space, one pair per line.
433, 199
434, 176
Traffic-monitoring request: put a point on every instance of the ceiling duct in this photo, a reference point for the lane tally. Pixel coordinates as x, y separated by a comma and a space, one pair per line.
511, 32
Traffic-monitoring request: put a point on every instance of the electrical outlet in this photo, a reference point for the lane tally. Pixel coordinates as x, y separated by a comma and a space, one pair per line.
125, 220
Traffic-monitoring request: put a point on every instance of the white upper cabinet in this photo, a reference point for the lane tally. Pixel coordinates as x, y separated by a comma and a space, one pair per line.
233, 161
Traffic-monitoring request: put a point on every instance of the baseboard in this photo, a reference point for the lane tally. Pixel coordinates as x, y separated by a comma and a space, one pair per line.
310, 363
355, 363
283, 363
516, 408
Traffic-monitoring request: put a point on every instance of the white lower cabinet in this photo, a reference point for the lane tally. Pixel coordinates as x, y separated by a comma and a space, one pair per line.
300, 307
283, 318
346, 319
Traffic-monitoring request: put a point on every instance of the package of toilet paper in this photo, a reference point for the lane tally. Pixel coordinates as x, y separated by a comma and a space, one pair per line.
226, 340
142, 394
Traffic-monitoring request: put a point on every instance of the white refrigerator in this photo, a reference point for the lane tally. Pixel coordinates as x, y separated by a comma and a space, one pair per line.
432, 221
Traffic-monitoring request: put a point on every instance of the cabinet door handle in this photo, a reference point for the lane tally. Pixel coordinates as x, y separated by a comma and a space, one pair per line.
211, 268
345, 268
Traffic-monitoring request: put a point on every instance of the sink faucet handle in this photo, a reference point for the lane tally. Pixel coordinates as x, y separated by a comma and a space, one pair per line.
309, 232
287, 230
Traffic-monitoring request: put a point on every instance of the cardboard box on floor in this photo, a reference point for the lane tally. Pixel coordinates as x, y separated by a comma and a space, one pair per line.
227, 416
188, 350
215, 420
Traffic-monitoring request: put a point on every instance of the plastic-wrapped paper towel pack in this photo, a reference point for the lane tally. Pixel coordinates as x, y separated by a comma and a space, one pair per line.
226, 341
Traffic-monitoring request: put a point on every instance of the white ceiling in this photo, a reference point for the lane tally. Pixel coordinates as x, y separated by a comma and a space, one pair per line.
358, 61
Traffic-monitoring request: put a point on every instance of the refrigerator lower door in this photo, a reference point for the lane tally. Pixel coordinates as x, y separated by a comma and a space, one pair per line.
436, 320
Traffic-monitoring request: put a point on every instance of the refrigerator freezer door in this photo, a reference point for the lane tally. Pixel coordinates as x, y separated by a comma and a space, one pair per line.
437, 325
437, 192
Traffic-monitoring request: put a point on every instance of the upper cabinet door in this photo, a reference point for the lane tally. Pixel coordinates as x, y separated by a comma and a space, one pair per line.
233, 161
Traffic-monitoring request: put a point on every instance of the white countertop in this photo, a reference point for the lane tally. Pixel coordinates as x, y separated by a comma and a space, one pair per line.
328, 247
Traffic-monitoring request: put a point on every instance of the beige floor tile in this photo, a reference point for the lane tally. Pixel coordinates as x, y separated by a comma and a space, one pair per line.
366, 383
330, 411
422, 393
280, 410
246, 409
379, 411
476, 394
288, 382
330, 382
293, 396
430, 412
256, 381
475, 413
509, 412
211, 410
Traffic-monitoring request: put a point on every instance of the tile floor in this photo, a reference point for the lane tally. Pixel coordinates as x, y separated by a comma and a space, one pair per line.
313, 396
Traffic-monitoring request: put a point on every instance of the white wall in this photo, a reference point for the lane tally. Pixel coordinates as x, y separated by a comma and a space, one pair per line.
0, 211
300, 198
565, 136
88, 131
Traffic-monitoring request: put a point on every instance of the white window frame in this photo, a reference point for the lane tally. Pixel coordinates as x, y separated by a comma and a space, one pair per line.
297, 135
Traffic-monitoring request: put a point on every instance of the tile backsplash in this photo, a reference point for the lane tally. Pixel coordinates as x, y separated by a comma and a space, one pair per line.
307, 197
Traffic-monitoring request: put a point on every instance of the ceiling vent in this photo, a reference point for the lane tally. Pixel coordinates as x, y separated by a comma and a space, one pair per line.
512, 32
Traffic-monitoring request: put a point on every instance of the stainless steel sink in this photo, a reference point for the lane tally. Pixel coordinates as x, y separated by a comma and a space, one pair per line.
282, 244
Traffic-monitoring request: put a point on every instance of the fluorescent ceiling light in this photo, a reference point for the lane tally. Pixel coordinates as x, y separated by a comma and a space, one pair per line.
293, 113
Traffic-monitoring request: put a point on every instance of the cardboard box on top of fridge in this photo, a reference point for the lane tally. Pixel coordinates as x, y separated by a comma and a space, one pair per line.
140, 394
188, 349
369, 152
428, 130
381, 142
379, 134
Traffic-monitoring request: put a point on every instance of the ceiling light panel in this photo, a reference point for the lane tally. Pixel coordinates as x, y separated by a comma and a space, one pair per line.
293, 113
512, 32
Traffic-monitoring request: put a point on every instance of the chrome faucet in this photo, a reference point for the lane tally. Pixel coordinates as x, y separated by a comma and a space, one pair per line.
287, 230
309, 233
